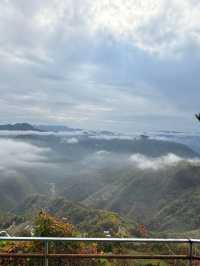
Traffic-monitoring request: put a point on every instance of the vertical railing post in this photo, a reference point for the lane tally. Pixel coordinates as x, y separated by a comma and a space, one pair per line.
190, 252
46, 251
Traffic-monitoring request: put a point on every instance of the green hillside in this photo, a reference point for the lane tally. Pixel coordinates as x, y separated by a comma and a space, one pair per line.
88, 220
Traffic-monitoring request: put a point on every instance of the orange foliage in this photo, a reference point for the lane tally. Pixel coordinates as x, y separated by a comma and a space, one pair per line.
142, 230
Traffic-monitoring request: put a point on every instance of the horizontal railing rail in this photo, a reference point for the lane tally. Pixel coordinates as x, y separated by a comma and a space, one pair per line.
46, 256
99, 239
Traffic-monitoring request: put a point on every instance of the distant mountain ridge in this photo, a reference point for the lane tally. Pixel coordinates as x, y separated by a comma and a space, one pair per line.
51, 128
56, 128
20, 127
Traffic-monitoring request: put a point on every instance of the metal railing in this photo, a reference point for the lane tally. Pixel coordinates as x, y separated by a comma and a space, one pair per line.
46, 256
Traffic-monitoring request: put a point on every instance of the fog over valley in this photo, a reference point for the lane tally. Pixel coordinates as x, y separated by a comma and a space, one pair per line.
137, 176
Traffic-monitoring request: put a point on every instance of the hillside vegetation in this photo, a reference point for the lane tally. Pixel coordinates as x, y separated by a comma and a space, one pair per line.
90, 221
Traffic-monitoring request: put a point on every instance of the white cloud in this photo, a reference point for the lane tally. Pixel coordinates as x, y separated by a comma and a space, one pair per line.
70, 140
102, 153
111, 137
47, 17
15, 154
157, 26
144, 162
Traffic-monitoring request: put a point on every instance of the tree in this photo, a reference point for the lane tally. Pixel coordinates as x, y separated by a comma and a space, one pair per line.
197, 116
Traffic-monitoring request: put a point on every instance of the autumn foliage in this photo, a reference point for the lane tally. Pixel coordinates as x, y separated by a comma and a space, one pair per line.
50, 226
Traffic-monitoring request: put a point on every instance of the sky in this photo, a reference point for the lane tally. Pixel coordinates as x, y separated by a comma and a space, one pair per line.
121, 65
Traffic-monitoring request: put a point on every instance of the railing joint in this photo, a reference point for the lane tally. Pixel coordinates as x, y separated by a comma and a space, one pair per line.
190, 252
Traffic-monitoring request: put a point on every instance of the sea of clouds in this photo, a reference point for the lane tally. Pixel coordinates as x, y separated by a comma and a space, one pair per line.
18, 154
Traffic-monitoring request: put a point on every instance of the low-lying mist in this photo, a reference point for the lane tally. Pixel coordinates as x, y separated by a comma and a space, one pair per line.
73, 156
19, 154
170, 160
129, 176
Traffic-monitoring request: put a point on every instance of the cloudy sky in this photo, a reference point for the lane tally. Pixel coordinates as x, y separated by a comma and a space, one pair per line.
122, 65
